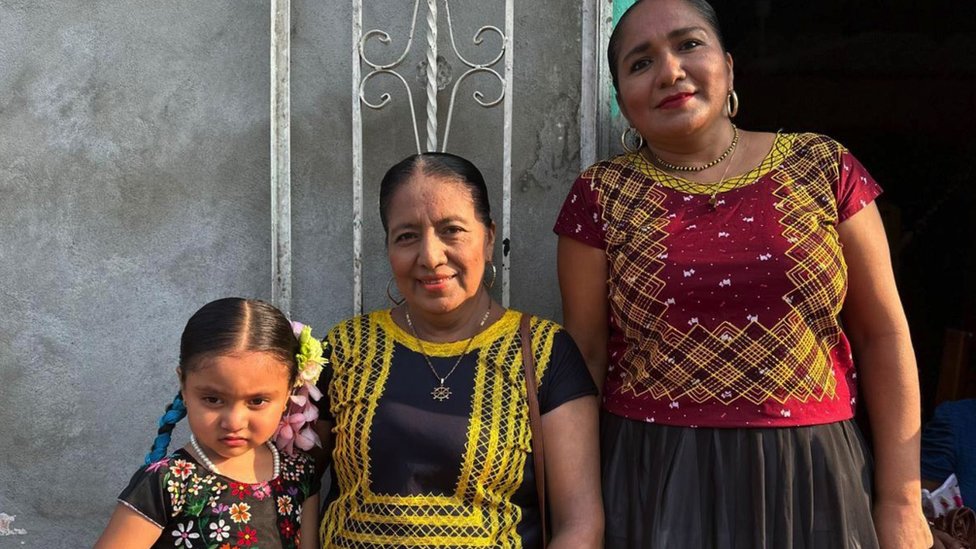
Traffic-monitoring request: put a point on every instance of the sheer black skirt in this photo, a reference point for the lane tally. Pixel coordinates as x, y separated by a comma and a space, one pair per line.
777, 488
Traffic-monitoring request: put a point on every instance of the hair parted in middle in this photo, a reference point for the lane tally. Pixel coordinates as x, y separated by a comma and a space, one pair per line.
704, 9
436, 164
221, 327
235, 324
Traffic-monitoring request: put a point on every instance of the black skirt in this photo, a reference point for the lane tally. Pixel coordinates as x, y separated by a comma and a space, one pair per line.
777, 488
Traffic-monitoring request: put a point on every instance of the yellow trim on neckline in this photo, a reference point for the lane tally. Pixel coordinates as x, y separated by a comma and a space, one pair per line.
777, 153
506, 324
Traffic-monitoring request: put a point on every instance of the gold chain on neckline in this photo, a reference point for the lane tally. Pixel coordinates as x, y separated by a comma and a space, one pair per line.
443, 392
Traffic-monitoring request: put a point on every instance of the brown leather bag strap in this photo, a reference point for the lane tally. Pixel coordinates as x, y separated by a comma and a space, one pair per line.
535, 421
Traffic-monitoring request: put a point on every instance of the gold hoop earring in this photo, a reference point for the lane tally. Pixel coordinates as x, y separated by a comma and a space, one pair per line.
625, 139
494, 275
389, 293
733, 103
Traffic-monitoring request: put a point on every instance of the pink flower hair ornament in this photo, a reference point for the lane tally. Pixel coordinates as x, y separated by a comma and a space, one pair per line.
297, 423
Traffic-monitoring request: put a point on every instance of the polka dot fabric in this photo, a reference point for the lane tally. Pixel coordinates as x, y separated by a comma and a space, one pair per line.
726, 316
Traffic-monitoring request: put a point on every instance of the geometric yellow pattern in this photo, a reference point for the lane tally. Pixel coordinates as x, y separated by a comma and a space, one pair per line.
753, 362
480, 512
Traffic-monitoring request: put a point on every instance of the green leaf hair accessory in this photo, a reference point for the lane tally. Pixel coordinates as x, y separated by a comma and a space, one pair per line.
309, 356
297, 423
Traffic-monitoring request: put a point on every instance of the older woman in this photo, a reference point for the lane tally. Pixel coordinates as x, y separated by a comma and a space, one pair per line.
426, 402
703, 276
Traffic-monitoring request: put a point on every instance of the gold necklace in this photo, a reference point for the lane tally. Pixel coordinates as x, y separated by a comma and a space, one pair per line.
678, 168
691, 187
443, 392
712, 201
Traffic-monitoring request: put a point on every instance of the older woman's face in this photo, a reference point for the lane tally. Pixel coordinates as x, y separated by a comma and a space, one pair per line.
673, 75
436, 244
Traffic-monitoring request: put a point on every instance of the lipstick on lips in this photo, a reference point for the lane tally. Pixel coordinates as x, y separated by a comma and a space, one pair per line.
675, 100
435, 282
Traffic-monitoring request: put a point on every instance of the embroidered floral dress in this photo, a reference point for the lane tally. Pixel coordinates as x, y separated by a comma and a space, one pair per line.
200, 509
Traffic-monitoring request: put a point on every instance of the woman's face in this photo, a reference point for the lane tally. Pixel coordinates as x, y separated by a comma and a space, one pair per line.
673, 75
436, 244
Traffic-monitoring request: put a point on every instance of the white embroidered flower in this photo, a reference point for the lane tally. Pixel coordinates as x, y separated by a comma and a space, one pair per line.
184, 533
220, 530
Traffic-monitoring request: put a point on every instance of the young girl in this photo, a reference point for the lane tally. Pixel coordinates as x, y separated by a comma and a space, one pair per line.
246, 377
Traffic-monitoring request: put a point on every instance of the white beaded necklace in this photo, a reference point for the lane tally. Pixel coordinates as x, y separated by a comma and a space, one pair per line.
276, 469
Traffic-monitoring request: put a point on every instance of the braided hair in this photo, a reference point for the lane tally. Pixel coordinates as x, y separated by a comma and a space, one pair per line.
227, 325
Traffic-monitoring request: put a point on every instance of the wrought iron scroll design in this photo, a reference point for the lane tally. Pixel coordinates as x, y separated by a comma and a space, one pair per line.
375, 68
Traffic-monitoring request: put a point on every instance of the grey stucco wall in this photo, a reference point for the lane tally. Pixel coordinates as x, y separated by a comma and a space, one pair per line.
134, 188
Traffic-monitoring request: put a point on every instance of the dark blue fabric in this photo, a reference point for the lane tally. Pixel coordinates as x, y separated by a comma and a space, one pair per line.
948, 446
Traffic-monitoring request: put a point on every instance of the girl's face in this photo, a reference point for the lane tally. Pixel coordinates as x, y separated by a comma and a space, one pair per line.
436, 244
234, 402
673, 76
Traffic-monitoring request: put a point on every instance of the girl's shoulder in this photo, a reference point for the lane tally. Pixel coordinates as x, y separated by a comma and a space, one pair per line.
297, 464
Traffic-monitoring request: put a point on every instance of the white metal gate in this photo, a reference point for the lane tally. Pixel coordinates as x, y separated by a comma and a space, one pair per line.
596, 123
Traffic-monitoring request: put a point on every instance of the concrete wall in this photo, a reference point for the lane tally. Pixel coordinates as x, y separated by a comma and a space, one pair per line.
134, 161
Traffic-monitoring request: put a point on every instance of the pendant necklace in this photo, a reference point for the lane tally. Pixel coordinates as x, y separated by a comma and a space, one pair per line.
712, 200
688, 187
443, 392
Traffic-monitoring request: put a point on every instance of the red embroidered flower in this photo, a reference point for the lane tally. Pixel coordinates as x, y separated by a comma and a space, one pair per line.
247, 537
287, 528
182, 468
240, 490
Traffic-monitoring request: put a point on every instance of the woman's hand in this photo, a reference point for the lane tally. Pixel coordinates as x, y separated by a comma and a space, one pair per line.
573, 474
901, 526
943, 540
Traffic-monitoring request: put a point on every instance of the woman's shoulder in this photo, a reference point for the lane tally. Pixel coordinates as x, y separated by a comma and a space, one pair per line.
357, 323
296, 460
605, 169
537, 323
806, 143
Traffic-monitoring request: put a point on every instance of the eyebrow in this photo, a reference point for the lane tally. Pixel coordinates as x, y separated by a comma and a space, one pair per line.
443, 221
644, 46
212, 389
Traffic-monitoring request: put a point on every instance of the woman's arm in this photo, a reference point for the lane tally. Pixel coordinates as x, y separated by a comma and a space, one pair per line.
128, 530
573, 474
878, 329
583, 284
310, 523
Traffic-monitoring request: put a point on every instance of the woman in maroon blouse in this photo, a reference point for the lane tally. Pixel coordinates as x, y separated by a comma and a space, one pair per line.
724, 260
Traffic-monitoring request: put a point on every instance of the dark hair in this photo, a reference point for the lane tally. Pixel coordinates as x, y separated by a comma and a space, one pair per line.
438, 164
224, 326
704, 9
